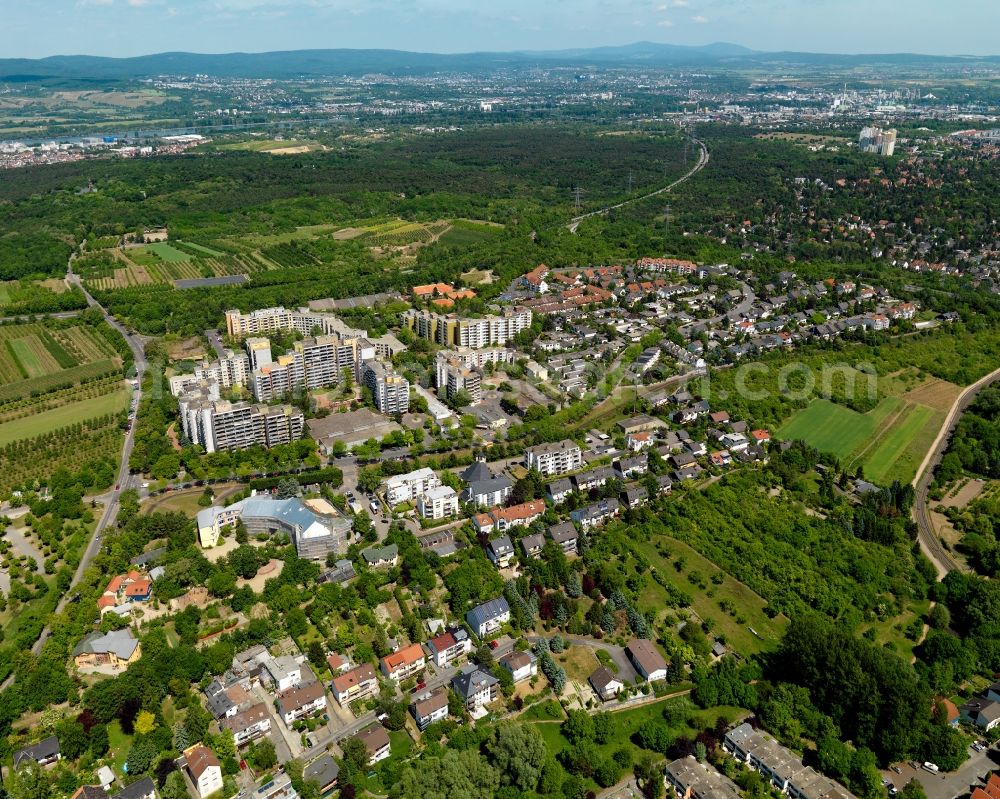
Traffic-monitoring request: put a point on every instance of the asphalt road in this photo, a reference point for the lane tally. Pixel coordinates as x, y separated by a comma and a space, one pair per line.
929, 541
123, 479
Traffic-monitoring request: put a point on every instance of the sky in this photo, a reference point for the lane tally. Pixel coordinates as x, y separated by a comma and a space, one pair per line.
37, 28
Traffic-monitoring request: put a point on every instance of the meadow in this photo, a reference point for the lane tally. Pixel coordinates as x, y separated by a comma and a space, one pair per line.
889, 441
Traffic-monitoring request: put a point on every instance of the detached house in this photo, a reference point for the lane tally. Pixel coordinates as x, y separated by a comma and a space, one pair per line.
397, 666
500, 551
44, 752
521, 665
489, 617
565, 535
605, 684
475, 686
249, 724
204, 769
449, 647
483, 487
429, 707
117, 649
376, 741
357, 683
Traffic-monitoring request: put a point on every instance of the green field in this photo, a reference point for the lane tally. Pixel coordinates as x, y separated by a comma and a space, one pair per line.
888, 442
39, 423
190, 245
829, 427
168, 253
34, 358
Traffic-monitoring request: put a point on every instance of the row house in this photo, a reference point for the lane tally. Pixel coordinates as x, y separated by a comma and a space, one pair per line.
596, 514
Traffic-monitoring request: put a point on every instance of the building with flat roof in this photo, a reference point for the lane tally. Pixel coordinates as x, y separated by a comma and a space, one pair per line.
408, 487
216, 424
451, 330
352, 428
268, 320
390, 391
555, 458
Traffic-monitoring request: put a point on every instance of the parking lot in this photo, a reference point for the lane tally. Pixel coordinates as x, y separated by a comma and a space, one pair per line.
958, 783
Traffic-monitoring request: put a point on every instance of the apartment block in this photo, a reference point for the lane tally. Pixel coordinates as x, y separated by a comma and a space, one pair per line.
408, 487
450, 330
222, 425
555, 458
454, 376
268, 320
390, 391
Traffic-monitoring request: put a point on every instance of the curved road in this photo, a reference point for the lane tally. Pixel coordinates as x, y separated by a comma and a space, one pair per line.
703, 157
121, 482
929, 542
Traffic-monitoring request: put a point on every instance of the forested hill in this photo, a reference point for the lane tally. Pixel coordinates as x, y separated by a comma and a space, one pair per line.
294, 63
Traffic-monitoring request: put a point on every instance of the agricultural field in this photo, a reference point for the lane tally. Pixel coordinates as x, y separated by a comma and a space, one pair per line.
32, 352
37, 424
889, 441
62, 399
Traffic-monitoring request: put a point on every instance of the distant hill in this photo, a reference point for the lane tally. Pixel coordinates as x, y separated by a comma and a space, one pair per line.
294, 63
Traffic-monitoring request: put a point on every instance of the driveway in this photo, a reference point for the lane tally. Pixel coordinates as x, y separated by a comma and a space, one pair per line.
954, 784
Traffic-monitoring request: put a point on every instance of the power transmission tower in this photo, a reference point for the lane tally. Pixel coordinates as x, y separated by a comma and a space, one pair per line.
630, 181
576, 193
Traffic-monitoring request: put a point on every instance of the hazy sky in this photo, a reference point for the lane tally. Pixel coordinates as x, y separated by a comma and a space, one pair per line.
33, 28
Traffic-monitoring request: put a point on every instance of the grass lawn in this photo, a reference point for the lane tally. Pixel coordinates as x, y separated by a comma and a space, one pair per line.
888, 442
829, 427
120, 744
185, 501
886, 461
34, 358
190, 245
547, 710
747, 604
39, 423
579, 661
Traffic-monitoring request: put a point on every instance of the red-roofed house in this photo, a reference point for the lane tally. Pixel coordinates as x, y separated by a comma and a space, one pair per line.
639, 441
502, 519
535, 279
406, 662
760, 436
139, 591
449, 647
